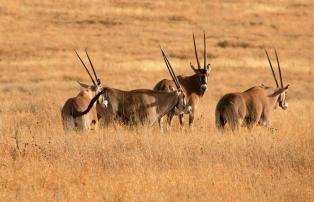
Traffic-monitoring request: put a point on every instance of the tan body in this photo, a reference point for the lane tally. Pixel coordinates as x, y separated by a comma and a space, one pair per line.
134, 107
87, 122
253, 106
141, 106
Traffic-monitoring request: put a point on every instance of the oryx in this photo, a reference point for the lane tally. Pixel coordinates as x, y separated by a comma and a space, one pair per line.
194, 86
141, 106
253, 106
80, 102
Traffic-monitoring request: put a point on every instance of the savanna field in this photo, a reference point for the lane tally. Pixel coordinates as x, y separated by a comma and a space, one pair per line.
39, 70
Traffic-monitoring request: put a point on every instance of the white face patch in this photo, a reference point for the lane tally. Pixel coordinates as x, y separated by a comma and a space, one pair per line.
105, 103
188, 109
178, 92
282, 101
204, 87
98, 89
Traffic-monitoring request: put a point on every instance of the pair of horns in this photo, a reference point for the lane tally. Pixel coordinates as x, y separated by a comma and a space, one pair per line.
170, 69
91, 64
281, 83
196, 55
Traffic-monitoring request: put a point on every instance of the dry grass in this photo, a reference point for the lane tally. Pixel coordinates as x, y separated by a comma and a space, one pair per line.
38, 73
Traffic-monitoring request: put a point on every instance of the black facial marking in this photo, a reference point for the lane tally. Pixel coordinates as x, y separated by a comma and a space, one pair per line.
202, 71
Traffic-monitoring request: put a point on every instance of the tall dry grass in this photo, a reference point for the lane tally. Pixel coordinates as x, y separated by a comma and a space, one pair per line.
38, 73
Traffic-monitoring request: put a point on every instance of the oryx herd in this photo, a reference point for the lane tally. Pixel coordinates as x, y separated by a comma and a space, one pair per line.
170, 98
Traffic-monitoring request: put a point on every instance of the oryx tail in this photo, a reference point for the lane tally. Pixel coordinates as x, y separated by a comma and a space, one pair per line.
91, 103
226, 113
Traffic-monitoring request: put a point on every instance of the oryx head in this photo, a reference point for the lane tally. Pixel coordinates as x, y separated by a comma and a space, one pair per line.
96, 86
181, 106
280, 91
201, 72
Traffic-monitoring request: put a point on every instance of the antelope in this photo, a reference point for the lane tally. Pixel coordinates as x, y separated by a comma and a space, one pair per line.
140, 106
253, 106
81, 101
194, 87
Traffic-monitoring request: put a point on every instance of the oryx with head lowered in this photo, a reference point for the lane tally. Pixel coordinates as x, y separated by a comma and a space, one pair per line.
141, 106
80, 102
253, 106
194, 86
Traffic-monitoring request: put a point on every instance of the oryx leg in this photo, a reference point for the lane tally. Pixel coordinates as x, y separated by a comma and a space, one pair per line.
193, 103
181, 119
252, 115
191, 118
169, 119
69, 124
265, 120
253, 120
267, 124
160, 121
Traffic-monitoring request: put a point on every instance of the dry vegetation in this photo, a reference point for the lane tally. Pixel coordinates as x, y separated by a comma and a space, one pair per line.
38, 73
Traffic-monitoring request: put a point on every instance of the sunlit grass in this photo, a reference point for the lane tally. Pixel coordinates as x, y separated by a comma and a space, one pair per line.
39, 71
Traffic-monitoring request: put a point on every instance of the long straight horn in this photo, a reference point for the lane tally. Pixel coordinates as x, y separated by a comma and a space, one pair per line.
169, 67
174, 77
85, 68
91, 64
279, 69
205, 51
195, 50
272, 70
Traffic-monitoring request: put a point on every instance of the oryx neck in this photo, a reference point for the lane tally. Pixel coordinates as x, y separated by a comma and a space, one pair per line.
167, 101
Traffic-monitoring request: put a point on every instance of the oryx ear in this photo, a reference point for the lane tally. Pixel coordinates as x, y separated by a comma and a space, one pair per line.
83, 85
193, 68
208, 67
278, 91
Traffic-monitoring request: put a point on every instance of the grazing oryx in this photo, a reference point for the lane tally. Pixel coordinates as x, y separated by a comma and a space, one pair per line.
80, 102
141, 106
253, 106
194, 86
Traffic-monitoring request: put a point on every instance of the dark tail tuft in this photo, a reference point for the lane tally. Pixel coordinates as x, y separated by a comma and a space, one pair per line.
226, 113
220, 119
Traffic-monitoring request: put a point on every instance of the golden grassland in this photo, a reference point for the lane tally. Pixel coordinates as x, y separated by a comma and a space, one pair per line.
39, 71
